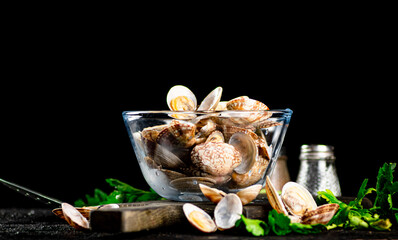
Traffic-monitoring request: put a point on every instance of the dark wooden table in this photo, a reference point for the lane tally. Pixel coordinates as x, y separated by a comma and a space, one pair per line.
39, 223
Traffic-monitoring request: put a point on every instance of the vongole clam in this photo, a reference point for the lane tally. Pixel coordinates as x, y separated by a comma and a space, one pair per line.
180, 98
298, 204
213, 148
78, 217
228, 210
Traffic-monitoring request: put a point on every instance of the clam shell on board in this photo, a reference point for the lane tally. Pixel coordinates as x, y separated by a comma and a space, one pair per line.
321, 214
74, 217
199, 218
273, 197
228, 211
85, 211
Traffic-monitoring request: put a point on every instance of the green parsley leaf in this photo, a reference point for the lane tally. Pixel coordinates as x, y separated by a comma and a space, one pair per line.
123, 192
385, 189
254, 226
306, 228
280, 223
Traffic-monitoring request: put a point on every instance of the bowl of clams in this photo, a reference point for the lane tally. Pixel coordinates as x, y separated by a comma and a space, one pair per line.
228, 145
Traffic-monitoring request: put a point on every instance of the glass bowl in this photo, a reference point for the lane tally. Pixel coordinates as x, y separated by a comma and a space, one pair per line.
227, 150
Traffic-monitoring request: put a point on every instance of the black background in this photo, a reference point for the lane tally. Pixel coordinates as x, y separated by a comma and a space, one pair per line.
62, 127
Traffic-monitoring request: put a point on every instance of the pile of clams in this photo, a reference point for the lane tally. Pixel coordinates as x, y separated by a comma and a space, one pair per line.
215, 144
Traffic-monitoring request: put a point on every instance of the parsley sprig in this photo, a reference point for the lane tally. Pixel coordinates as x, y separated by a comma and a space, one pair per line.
122, 193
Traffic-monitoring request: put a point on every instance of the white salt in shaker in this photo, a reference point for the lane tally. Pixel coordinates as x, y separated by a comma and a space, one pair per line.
317, 169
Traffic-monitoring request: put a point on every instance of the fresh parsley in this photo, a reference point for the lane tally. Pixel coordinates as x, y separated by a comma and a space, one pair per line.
278, 224
352, 215
379, 217
122, 193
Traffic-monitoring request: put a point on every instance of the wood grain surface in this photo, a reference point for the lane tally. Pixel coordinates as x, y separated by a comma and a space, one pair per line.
138, 216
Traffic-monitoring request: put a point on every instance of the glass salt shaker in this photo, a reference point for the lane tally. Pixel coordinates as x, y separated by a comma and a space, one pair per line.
280, 176
317, 169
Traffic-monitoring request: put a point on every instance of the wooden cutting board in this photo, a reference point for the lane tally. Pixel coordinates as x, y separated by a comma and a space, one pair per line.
134, 217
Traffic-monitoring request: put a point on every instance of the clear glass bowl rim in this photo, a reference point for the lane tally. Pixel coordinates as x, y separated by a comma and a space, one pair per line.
280, 111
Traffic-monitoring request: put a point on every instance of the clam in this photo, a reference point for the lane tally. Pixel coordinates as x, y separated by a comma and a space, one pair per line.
215, 136
252, 176
205, 130
297, 199
85, 211
109, 206
210, 102
298, 204
228, 211
247, 149
166, 159
215, 158
199, 218
177, 134
180, 98
222, 106
74, 217
213, 194
152, 133
191, 183
273, 197
245, 103
249, 194
246, 195
321, 214
172, 175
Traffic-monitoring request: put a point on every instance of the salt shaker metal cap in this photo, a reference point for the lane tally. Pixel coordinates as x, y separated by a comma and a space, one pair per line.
317, 169
317, 152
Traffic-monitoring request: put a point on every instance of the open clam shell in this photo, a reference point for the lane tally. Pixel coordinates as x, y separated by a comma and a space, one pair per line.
273, 197
180, 98
210, 102
228, 211
74, 217
249, 194
321, 214
247, 149
199, 218
212, 194
297, 199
